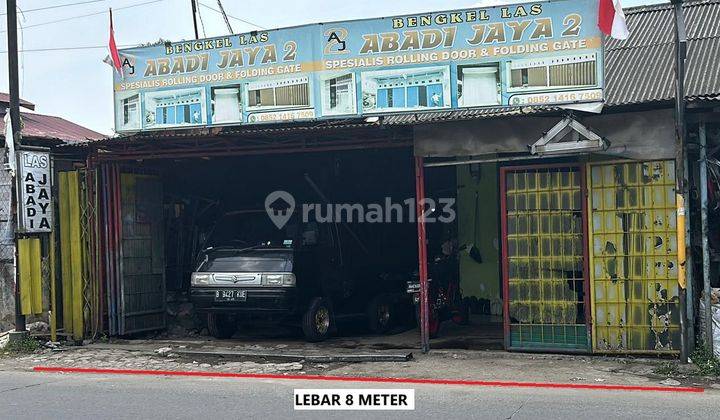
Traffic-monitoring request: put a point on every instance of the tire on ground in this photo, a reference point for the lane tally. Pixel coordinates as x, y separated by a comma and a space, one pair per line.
380, 314
317, 320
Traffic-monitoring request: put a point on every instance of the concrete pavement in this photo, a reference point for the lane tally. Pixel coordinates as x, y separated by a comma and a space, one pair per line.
438, 364
31, 395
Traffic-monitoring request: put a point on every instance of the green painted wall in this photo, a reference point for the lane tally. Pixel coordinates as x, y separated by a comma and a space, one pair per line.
481, 280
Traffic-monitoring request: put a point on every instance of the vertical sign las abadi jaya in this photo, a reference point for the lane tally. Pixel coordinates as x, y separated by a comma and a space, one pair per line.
34, 181
539, 53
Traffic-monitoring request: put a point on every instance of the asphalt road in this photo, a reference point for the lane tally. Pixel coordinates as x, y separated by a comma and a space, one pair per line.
28, 395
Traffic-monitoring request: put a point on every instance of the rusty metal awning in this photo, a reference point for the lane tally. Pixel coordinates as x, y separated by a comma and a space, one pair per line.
248, 140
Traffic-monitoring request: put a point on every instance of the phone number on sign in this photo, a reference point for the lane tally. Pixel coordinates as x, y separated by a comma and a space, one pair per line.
583, 96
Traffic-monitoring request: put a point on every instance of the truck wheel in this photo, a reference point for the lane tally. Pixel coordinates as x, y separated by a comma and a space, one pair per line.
380, 314
221, 326
317, 321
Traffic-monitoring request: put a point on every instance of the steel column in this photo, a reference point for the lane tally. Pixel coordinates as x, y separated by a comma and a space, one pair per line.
680, 158
16, 131
689, 294
194, 13
422, 253
705, 231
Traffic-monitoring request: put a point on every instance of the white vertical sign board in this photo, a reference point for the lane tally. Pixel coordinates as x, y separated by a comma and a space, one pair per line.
35, 199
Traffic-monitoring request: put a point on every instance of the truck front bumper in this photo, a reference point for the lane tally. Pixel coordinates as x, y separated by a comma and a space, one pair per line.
259, 301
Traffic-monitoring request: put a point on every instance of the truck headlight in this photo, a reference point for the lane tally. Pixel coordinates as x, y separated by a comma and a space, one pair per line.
199, 279
272, 279
284, 279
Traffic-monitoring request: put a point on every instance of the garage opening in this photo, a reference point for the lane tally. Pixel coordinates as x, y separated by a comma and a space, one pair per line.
522, 253
474, 241
348, 261
337, 228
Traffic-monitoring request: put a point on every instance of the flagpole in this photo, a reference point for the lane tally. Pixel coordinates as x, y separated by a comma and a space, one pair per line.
112, 46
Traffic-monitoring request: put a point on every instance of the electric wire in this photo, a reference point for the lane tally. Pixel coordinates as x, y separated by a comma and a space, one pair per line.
57, 6
91, 47
231, 16
202, 24
22, 54
85, 47
225, 17
88, 15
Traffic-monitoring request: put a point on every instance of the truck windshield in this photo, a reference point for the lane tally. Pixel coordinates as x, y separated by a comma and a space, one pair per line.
249, 261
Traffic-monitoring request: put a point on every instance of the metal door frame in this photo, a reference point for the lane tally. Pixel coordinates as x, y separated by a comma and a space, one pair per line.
586, 251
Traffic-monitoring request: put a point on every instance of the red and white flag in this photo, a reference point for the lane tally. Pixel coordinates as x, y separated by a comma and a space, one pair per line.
611, 19
114, 55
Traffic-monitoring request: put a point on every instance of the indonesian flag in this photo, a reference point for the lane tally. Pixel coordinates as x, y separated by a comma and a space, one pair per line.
611, 19
114, 55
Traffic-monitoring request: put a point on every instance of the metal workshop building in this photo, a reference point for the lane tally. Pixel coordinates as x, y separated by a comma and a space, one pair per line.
581, 226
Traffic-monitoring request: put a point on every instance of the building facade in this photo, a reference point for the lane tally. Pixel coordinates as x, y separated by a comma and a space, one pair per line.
576, 215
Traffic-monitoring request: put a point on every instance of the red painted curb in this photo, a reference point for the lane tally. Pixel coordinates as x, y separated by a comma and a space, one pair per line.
367, 379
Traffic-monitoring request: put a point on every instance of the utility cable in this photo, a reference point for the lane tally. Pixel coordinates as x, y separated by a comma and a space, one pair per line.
88, 15
22, 55
231, 16
202, 24
87, 47
225, 17
57, 6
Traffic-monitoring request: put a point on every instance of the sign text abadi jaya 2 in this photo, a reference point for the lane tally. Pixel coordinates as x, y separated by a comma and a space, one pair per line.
541, 53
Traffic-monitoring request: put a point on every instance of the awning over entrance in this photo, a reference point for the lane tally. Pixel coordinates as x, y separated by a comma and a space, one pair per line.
352, 134
636, 135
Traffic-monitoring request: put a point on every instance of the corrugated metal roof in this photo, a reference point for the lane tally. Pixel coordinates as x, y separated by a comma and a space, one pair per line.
463, 114
256, 129
295, 127
261, 129
5, 99
641, 69
346, 124
48, 127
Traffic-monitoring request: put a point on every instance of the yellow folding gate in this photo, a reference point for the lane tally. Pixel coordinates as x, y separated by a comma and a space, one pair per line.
544, 248
31, 276
633, 257
71, 254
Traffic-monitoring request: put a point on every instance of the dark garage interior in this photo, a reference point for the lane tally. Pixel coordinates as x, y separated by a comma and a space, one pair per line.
359, 225
210, 202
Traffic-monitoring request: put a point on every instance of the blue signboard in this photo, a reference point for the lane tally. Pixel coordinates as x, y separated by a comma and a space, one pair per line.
541, 53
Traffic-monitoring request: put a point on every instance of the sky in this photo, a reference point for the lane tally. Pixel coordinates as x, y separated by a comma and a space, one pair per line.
75, 83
